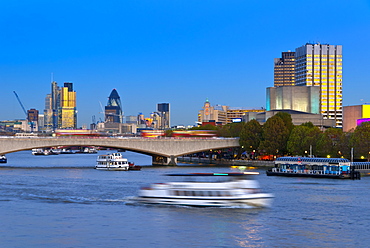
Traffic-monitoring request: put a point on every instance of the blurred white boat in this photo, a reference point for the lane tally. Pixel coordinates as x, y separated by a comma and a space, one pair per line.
208, 190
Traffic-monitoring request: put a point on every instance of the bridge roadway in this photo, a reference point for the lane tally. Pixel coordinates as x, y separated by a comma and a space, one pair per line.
163, 150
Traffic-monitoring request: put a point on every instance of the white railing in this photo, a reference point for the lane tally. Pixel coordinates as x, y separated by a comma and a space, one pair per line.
317, 172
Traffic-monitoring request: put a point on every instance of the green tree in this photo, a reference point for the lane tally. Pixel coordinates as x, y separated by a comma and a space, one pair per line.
168, 133
251, 135
302, 139
274, 136
361, 141
205, 127
332, 142
346, 144
287, 119
231, 129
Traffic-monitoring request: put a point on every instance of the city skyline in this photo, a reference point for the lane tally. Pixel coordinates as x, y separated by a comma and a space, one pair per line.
179, 52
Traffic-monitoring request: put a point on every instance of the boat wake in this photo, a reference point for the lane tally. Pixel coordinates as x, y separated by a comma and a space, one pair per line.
71, 199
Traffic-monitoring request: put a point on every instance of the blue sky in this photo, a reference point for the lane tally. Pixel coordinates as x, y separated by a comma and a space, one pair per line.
176, 51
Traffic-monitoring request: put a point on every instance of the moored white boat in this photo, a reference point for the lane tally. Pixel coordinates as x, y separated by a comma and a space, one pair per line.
114, 161
208, 190
3, 159
40, 151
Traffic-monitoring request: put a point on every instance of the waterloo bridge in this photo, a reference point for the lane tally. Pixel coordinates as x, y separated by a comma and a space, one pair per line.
164, 151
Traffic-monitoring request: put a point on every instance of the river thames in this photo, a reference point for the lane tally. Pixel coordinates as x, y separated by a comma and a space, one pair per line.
61, 201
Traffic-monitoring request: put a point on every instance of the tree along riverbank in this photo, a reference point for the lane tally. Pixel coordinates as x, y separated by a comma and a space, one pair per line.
228, 162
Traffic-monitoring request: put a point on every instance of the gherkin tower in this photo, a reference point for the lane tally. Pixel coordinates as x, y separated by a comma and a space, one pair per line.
113, 110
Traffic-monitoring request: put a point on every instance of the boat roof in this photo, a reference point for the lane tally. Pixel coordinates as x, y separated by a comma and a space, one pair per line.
361, 163
320, 160
234, 174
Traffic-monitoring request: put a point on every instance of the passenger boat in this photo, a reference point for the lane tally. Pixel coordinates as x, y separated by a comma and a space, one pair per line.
3, 159
336, 168
208, 190
114, 161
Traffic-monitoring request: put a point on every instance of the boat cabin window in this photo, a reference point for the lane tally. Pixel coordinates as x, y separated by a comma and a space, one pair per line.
208, 179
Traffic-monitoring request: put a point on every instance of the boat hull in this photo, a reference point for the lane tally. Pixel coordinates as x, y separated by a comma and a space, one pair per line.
257, 201
112, 168
287, 174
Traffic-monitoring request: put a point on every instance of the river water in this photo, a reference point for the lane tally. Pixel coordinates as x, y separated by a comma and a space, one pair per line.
61, 201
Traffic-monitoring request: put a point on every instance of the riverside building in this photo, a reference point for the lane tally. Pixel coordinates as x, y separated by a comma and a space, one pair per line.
353, 116
222, 115
316, 86
320, 65
284, 73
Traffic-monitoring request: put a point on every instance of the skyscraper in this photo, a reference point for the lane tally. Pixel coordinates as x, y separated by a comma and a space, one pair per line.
60, 107
55, 91
33, 118
113, 110
48, 113
164, 111
67, 114
321, 65
284, 73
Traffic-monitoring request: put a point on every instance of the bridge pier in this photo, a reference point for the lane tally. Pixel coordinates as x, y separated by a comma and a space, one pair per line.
160, 160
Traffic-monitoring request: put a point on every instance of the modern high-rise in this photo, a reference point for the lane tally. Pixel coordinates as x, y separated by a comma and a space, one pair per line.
60, 108
284, 73
113, 110
48, 113
67, 113
164, 111
321, 65
55, 97
33, 118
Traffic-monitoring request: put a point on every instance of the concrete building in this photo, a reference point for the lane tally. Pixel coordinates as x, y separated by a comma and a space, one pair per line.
354, 116
41, 122
284, 72
298, 118
215, 114
164, 112
321, 65
299, 98
14, 126
131, 119
33, 119
48, 114
221, 114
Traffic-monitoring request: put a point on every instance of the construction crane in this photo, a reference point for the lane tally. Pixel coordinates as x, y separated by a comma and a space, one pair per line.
24, 110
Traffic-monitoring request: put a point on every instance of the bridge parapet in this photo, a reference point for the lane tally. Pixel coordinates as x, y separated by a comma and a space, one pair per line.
169, 148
